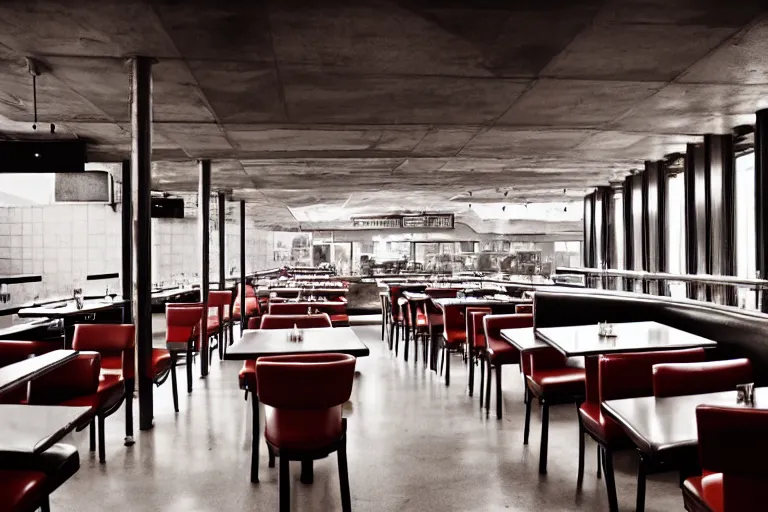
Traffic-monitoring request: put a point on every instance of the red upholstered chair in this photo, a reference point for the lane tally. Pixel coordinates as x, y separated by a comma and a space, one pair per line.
23, 491
434, 317
218, 326
524, 309
304, 395
552, 382
676, 379
733, 448
182, 336
254, 322
116, 345
12, 351
80, 383
476, 345
397, 318
252, 309
621, 376
499, 352
247, 375
454, 336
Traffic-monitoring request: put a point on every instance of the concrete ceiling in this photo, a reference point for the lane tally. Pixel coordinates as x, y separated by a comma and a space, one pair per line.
341, 107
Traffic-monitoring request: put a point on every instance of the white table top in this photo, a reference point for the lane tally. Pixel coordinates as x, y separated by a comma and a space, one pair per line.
583, 340
523, 338
256, 343
35, 428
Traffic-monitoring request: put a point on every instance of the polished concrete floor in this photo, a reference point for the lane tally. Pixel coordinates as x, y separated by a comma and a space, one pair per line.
414, 445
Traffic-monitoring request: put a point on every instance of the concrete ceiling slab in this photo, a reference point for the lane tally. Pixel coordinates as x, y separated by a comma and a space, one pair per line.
515, 142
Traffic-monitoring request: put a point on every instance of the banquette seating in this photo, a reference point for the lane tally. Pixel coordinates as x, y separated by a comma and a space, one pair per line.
336, 310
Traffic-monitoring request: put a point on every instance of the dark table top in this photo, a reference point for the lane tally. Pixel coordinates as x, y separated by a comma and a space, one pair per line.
69, 309
658, 425
22, 372
523, 339
583, 340
274, 342
478, 301
173, 293
35, 428
14, 330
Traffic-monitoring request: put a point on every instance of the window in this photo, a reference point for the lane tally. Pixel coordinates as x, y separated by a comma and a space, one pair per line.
618, 230
676, 233
745, 225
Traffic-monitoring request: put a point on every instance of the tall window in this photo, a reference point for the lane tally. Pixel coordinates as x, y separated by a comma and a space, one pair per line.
676, 232
745, 225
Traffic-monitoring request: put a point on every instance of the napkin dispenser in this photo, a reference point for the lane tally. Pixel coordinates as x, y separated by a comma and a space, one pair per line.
745, 393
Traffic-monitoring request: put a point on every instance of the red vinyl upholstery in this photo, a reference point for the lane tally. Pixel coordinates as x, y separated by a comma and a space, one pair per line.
300, 321
675, 379
733, 446
475, 333
221, 300
183, 324
114, 342
74, 380
501, 351
304, 394
12, 351
21, 491
336, 310
524, 309
454, 326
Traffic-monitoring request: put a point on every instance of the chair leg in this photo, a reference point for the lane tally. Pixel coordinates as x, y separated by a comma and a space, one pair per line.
391, 334
527, 429
346, 499
580, 477
471, 378
442, 360
544, 437
92, 434
488, 379
189, 370
447, 367
498, 392
271, 453
128, 441
102, 442
174, 384
599, 462
406, 342
45, 505
397, 338
482, 380
284, 485
610, 482
642, 471
256, 434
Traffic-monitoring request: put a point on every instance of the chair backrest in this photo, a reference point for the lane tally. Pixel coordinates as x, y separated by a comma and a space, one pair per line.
306, 381
301, 308
442, 293
526, 309
13, 351
493, 324
732, 441
631, 375
76, 378
183, 322
219, 298
300, 321
675, 379
114, 342
395, 292
474, 318
454, 324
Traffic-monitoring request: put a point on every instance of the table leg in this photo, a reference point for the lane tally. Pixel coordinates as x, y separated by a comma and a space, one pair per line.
67, 323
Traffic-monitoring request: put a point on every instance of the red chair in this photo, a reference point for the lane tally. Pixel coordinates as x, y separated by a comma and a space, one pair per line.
304, 422
621, 376
12, 351
552, 382
454, 336
80, 383
182, 335
476, 345
218, 326
434, 317
499, 352
397, 318
733, 447
336, 310
247, 375
676, 379
252, 309
23, 491
115, 344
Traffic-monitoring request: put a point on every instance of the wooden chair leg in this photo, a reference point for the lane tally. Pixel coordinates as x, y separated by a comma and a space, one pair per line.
481, 358
189, 370
599, 462
498, 391
471, 377
642, 471
488, 379
45, 505
527, 429
129, 386
610, 482
580, 477
92, 435
544, 437
256, 434
447, 367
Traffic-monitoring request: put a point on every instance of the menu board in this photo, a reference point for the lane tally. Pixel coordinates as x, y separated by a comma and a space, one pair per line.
433, 221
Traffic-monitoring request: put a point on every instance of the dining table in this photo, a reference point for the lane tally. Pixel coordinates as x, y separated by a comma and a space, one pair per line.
585, 340
69, 313
19, 374
32, 429
256, 343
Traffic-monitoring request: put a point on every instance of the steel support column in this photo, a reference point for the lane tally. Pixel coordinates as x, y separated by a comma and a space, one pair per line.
761, 200
655, 220
126, 217
720, 168
141, 181
203, 222
589, 231
222, 204
243, 320
696, 217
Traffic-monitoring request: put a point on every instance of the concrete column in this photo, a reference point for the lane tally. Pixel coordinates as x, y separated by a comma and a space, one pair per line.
203, 222
141, 182
222, 204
